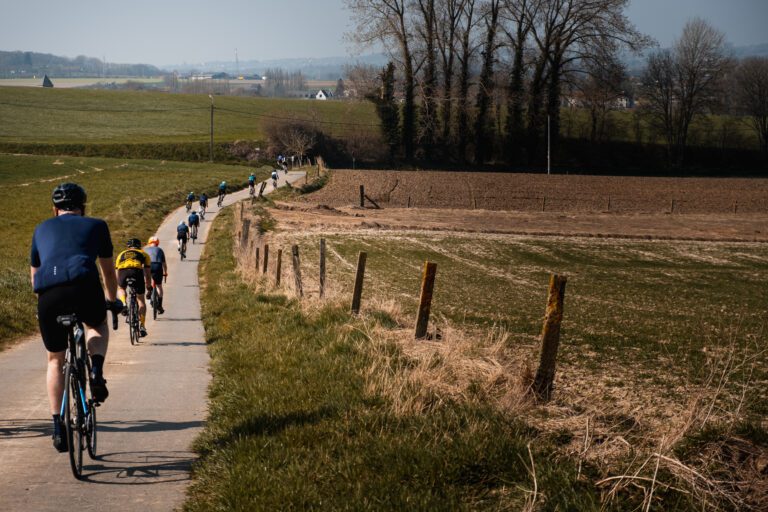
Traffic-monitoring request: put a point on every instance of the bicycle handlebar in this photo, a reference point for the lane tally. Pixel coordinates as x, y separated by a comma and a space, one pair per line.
114, 307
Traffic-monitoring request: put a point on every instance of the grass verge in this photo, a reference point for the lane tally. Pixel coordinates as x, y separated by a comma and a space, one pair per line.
293, 425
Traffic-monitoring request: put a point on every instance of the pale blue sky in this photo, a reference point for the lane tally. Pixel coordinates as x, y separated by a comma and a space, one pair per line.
166, 32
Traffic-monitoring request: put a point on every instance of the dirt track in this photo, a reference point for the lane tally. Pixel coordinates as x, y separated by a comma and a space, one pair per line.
715, 227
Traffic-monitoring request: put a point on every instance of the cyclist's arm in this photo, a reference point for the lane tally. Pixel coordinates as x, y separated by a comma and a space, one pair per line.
32, 272
147, 277
107, 268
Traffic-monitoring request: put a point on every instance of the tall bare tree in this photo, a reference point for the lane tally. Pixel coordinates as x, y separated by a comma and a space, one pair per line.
491, 12
388, 21
449, 15
427, 29
465, 56
684, 82
601, 90
752, 93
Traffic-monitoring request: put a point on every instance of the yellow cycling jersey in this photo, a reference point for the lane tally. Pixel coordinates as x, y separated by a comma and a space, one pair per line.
132, 258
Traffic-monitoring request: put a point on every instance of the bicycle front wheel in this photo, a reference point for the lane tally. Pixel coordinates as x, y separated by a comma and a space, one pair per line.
90, 430
73, 420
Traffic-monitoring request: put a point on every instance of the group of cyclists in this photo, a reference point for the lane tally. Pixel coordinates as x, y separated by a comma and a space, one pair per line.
73, 271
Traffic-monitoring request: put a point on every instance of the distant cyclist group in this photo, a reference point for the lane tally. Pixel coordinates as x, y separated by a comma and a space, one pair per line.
77, 280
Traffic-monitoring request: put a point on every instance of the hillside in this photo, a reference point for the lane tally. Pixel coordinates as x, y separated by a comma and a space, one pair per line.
20, 64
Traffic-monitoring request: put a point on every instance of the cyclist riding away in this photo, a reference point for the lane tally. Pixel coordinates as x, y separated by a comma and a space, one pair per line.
190, 200
252, 184
182, 233
274, 178
158, 269
203, 204
222, 192
135, 263
68, 252
194, 222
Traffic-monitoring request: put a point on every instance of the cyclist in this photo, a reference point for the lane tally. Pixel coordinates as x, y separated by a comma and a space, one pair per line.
252, 184
67, 254
158, 269
182, 233
274, 178
222, 192
190, 200
133, 262
194, 222
203, 204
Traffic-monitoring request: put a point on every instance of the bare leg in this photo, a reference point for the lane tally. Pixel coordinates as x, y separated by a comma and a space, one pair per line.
97, 339
55, 380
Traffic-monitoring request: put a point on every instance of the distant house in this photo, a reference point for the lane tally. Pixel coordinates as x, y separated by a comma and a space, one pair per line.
322, 94
47, 82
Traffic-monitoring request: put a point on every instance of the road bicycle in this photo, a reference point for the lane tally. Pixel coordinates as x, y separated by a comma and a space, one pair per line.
189, 206
132, 306
77, 409
154, 301
251, 189
202, 211
221, 200
183, 249
193, 234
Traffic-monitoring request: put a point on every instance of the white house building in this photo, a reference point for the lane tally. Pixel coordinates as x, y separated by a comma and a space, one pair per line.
322, 94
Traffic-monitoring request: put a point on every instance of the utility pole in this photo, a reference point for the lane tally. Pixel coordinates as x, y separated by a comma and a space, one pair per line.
549, 142
211, 145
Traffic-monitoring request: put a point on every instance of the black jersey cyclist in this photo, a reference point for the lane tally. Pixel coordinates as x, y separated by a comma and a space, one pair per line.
194, 222
134, 263
68, 253
203, 204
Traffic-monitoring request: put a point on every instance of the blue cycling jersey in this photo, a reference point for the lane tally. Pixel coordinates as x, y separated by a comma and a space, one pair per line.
65, 248
182, 228
251, 179
193, 220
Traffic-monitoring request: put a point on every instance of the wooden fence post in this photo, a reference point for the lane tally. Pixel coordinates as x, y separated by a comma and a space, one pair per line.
257, 260
322, 267
297, 270
425, 299
278, 266
246, 230
358, 291
362, 196
266, 258
550, 338
261, 189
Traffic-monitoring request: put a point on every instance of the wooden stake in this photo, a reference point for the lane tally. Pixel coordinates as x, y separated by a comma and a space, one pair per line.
322, 267
609, 203
543, 203
261, 189
246, 230
297, 270
266, 258
257, 260
550, 338
358, 291
425, 299
362, 196
278, 266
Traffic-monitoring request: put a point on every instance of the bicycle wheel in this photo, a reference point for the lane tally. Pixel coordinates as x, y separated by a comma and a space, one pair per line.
73, 419
90, 430
133, 320
154, 304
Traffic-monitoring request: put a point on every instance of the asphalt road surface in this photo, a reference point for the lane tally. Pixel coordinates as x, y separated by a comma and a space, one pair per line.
156, 406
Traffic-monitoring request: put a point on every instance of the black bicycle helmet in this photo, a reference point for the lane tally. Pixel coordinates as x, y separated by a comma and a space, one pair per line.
134, 243
69, 196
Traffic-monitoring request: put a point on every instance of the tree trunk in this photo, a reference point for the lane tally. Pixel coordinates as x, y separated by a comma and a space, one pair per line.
485, 86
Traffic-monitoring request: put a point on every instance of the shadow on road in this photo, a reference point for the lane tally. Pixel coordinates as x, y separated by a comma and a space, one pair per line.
22, 428
139, 468
147, 425
166, 319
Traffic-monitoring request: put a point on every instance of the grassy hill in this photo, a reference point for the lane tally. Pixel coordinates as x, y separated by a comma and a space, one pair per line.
68, 116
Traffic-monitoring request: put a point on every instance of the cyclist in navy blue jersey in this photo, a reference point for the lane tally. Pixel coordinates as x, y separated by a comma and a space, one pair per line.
68, 252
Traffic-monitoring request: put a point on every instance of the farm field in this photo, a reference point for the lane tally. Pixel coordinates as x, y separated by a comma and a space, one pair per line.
539, 192
68, 83
62, 116
662, 365
132, 195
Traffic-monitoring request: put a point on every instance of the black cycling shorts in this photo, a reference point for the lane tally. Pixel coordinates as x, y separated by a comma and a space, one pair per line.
182, 236
137, 273
84, 298
156, 270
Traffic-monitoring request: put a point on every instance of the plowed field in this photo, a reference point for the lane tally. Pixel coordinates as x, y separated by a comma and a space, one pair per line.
538, 192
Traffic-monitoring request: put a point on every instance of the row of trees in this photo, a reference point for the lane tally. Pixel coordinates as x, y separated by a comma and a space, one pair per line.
484, 80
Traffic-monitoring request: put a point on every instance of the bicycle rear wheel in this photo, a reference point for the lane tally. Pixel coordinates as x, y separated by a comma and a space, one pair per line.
154, 304
133, 320
73, 420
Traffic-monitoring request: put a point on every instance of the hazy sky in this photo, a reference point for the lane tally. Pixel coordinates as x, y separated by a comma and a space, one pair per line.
166, 32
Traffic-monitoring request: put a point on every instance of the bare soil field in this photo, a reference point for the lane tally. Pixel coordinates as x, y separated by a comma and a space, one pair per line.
538, 192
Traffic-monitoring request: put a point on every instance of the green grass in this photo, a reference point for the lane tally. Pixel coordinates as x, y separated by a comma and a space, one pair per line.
292, 427
71, 116
132, 195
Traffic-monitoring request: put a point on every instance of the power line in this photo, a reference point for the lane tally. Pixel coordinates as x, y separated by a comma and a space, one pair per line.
283, 118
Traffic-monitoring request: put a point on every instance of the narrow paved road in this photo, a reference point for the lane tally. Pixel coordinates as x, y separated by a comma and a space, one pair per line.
156, 407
